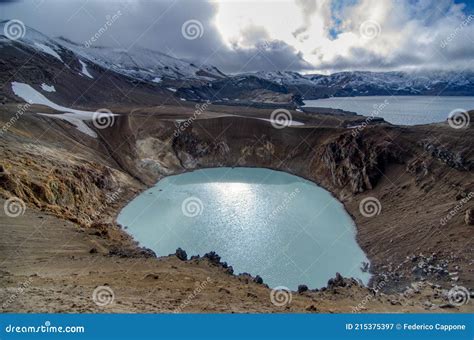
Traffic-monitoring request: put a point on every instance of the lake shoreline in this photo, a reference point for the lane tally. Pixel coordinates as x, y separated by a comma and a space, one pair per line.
398, 110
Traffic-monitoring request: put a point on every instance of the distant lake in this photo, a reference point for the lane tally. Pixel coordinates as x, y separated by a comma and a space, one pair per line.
282, 227
401, 110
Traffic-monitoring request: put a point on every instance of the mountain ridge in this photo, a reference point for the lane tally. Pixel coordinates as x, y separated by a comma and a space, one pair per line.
161, 74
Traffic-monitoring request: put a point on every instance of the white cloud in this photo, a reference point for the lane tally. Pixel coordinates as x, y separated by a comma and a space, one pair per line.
244, 35
402, 34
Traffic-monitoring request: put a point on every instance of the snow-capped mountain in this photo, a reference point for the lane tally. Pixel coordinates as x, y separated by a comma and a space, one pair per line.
139, 63
143, 64
364, 83
84, 75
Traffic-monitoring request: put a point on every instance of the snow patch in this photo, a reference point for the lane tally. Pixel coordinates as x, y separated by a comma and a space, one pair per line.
156, 80
73, 116
84, 70
172, 89
48, 50
75, 119
48, 88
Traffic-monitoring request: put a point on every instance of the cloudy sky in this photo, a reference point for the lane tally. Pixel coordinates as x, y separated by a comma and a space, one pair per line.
244, 35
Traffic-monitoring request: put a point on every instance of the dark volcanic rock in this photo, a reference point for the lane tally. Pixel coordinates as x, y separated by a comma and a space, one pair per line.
181, 254
302, 288
452, 159
140, 252
258, 279
213, 258
338, 281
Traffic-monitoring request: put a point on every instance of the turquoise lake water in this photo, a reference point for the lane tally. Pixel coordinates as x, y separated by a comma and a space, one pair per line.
279, 226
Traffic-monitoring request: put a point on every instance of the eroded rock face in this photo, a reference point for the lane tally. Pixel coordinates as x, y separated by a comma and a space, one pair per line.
357, 163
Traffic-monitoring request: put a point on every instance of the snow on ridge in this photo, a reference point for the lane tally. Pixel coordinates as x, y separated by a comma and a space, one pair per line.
48, 50
84, 70
48, 88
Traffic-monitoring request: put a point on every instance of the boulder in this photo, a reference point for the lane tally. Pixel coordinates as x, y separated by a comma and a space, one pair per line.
140, 252
302, 288
213, 257
338, 281
181, 254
